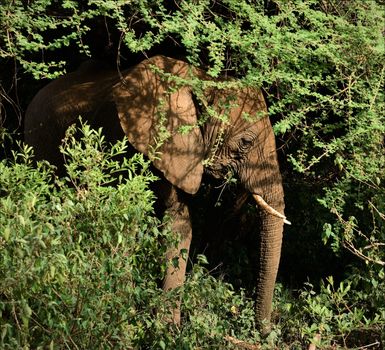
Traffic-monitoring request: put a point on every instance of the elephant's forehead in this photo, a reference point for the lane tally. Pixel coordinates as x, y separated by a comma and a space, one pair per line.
245, 109
249, 106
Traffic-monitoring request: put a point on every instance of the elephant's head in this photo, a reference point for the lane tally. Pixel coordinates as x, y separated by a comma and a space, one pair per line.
151, 114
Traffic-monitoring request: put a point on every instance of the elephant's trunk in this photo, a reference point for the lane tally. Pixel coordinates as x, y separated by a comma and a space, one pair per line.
263, 179
269, 255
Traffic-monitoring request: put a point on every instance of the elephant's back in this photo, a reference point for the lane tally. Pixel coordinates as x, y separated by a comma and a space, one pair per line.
60, 103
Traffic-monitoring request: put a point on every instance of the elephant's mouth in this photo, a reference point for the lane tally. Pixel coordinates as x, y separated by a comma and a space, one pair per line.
261, 202
218, 169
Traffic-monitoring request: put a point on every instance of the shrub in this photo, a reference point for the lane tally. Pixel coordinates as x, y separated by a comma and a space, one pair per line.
80, 255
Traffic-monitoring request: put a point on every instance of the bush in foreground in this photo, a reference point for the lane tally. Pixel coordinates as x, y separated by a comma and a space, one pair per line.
82, 257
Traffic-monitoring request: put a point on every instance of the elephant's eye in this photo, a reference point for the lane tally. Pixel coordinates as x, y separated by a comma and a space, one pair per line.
245, 143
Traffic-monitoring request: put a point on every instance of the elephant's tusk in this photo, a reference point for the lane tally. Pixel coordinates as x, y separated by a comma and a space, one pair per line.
261, 202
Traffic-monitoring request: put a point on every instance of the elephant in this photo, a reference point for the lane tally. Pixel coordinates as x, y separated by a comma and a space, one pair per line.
157, 97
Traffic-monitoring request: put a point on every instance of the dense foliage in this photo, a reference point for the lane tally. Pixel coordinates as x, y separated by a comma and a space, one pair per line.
82, 260
321, 66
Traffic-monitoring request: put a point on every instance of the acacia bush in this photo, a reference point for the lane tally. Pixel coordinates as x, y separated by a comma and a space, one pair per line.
80, 258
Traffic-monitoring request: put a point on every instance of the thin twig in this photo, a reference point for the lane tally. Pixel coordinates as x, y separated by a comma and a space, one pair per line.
382, 216
348, 245
369, 345
242, 344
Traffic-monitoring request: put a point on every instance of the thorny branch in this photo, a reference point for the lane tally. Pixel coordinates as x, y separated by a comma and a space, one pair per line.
350, 246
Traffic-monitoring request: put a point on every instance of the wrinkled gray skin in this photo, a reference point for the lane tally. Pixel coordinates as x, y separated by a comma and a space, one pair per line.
130, 104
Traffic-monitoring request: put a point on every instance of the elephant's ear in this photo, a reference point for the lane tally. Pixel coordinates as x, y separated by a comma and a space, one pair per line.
153, 116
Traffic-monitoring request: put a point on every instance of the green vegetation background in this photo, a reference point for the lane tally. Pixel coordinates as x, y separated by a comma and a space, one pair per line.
71, 279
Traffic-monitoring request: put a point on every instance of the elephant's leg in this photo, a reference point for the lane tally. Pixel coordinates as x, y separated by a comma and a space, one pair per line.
178, 211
